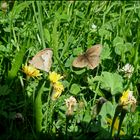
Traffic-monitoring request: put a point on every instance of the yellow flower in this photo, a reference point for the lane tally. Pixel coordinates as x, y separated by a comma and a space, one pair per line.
31, 71
55, 95
116, 125
127, 98
54, 77
58, 86
57, 90
124, 98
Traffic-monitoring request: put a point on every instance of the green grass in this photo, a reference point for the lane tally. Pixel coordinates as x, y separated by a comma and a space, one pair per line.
67, 27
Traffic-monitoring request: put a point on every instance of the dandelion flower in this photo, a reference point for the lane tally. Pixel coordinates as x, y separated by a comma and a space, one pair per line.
30, 71
58, 88
54, 77
124, 98
127, 98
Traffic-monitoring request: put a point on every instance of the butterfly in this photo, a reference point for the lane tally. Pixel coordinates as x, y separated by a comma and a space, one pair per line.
90, 58
42, 60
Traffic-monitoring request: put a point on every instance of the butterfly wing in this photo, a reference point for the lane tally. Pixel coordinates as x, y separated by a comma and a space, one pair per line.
94, 50
47, 57
90, 59
93, 56
42, 60
80, 61
93, 62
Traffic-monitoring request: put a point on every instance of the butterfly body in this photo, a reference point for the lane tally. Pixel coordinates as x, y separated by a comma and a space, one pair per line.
42, 60
89, 59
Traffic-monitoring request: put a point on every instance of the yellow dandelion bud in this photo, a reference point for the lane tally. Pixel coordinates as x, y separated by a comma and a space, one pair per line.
124, 98
54, 77
57, 90
127, 98
58, 86
55, 95
31, 71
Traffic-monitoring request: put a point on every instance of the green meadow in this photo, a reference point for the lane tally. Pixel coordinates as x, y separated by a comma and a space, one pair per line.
69, 102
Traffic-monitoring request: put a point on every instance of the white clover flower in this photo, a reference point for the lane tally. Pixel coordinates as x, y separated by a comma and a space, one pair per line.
70, 104
93, 26
128, 69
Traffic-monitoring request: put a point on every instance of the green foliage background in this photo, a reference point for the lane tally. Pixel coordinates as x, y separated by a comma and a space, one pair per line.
67, 27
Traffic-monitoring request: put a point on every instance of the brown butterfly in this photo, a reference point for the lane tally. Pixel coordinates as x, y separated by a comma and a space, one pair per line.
42, 60
89, 59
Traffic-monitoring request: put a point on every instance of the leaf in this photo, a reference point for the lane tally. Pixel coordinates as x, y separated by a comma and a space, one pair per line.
65, 83
107, 109
77, 51
117, 41
3, 49
79, 72
69, 61
87, 116
93, 87
104, 32
38, 107
18, 60
18, 8
112, 82
62, 16
129, 48
105, 53
75, 89
120, 49
4, 90
47, 35
79, 14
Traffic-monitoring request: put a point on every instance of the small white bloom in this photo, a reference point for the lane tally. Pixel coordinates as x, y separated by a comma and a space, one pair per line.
70, 103
130, 95
128, 69
131, 98
93, 26
4, 6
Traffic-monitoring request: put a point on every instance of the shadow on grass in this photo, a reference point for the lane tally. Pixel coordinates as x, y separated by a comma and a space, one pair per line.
19, 130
